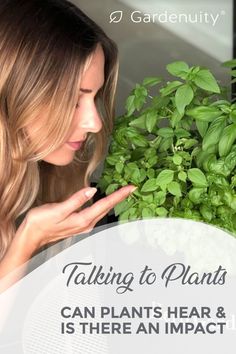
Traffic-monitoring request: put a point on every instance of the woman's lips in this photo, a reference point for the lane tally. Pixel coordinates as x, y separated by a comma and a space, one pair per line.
76, 145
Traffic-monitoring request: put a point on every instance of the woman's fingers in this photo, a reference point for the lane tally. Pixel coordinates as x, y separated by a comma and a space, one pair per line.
106, 204
77, 200
52, 222
100, 208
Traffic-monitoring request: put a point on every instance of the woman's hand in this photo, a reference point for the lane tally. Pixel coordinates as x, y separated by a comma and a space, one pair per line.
52, 222
55, 221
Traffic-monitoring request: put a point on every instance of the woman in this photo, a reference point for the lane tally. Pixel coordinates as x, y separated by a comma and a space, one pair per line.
58, 74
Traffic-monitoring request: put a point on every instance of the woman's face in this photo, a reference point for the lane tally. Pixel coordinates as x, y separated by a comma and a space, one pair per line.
86, 118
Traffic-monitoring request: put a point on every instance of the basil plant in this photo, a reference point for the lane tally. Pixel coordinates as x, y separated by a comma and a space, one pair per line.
178, 146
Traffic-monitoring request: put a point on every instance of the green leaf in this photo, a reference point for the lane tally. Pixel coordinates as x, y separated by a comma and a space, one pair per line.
140, 91
227, 139
151, 81
119, 167
139, 122
213, 133
166, 144
129, 105
113, 159
165, 132
197, 177
147, 213
161, 212
139, 140
206, 81
132, 166
148, 198
133, 214
159, 102
181, 133
123, 206
133, 174
233, 73
150, 173
131, 132
195, 69
177, 159
150, 185
142, 175
182, 176
174, 188
178, 68
230, 161
152, 161
124, 216
150, 152
111, 188
186, 155
183, 97
170, 87
206, 212
120, 136
151, 120
201, 127
220, 103
195, 195
139, 102
187, 123
160, 197
165, 177
107, 178
104, 182
195, 151
190, 143
209, 162
233, 115
230, 63
176, 118
204, 113
156, 142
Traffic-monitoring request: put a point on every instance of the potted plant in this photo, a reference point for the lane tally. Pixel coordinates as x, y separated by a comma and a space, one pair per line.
178, 147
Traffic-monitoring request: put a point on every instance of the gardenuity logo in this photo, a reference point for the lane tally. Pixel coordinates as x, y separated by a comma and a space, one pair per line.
165, 17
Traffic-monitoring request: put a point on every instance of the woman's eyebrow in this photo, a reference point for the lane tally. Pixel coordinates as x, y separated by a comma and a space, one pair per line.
86, 90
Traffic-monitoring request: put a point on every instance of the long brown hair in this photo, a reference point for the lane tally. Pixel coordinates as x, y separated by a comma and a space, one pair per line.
45, 46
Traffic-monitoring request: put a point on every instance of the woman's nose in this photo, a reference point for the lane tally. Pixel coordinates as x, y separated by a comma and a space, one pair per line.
89, 119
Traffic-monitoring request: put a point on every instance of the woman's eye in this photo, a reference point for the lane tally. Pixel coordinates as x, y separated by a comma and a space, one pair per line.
95, 98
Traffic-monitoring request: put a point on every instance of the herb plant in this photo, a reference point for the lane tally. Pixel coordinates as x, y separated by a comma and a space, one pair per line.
178, 147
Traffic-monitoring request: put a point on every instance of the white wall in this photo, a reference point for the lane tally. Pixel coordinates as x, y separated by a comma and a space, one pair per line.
214, 40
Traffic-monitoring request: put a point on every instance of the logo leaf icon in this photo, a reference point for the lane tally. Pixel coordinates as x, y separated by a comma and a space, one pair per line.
116, 16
